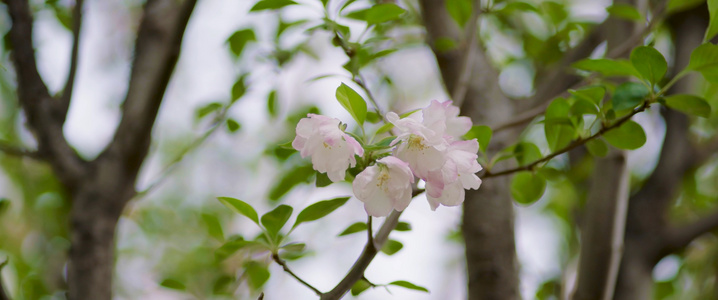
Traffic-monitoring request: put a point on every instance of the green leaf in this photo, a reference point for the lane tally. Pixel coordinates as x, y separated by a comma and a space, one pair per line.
689, 104
233, 125
629, 95
373, 117
391, 247
207, 109
4, 205
352, 102
354, 228
239, 39
527, 153
291, 179
675, 6
557, 127
240, 207
402, 226
624, 11
322, 179
274, 220
460, 11
481, 133
272, 103
239, 88
294, 247
257, 274
704, 59
214, 228
319, 210
712, 29
379, 13
628, 136
409, 285
607, 67
592, 94
271, 4
527, 188
649, 63
232, 246
360, 286
173, 284
597, 147
583, 107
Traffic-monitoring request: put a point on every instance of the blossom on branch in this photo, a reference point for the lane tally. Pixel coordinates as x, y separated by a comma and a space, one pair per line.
443, 117
418, 145
446, 186
331, 149
384, 186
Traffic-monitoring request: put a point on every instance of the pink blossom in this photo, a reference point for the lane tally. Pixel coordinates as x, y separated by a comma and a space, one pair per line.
418, 145
331, 149
384, 186
446, 186
443, 117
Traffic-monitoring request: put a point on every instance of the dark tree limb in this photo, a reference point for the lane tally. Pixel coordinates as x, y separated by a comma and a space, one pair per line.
679, 237
44, 117
17, 151
66, 96
488, 216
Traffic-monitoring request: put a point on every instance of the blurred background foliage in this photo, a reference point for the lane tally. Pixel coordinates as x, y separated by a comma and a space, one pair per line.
279, 65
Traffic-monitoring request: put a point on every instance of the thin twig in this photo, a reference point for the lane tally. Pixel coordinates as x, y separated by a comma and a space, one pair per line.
362, 83
571, 146
369, 231
17, 151
282, 263
76, 26
619, 51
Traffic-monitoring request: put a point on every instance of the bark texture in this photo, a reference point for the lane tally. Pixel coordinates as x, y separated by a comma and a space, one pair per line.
99, 189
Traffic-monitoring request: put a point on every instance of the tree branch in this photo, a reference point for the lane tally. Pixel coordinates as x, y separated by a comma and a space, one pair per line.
43, 116
17, 151
679, 237
69, 85
282, 263
569, 147
356, 272
157, 50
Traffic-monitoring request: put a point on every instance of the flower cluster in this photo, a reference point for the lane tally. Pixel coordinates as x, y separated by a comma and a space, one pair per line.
430, 149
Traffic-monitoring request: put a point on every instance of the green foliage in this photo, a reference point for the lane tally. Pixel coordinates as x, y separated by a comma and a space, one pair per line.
354, 228
352, 102
239, 39
624, 11
272, 103
239, 88
240, 207
527, 153
207, 109
649, 63
274, 220
712, 29
628, 136
403, 226
628, 95
704, 59
322, 179
319, 210
379, 13
675, 6
290, 179
257, 274
391, 247
233, 125
597, 147
173, 284
409, 285
527, 188
593, 94
558, 128
360, 286
271, 4
482, 134
460, 11
214, 227
607, 67
689, 104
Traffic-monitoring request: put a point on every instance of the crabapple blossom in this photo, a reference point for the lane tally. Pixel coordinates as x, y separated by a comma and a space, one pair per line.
443, 117
446, 186
384, 186
418, 145
331, 149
